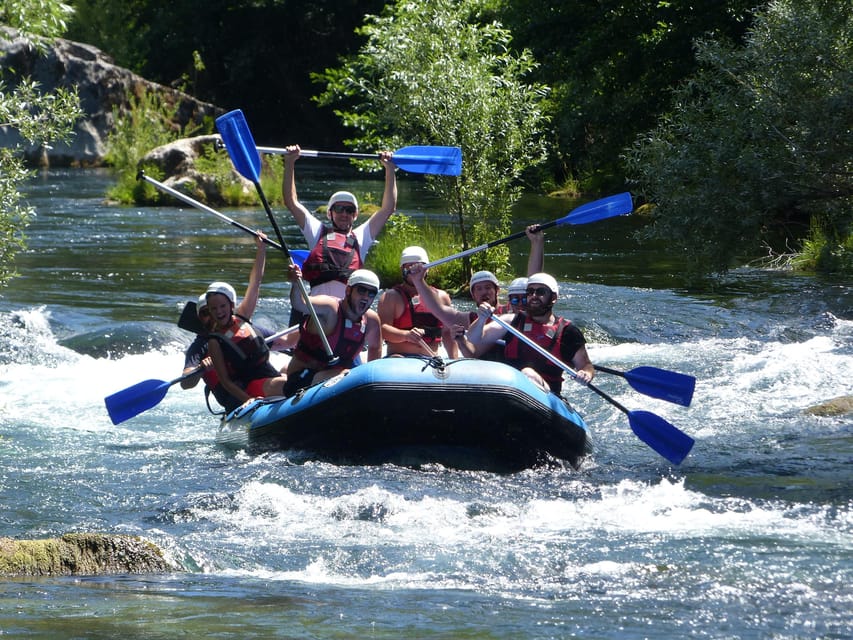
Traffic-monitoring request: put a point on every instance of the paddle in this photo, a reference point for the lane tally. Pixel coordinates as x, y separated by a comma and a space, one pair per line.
244, 154
442, 161
669, 441
658, 383
127, 403
298, 255
618, 205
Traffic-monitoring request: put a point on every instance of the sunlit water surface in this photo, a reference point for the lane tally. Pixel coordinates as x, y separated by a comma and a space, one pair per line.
749, 538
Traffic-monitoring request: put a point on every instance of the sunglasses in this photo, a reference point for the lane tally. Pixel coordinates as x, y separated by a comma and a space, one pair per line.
517, 300
365, 291
343, 208
539, 291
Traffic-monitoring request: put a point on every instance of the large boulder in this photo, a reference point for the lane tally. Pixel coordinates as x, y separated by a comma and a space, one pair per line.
81, 554
177, 162
101, 86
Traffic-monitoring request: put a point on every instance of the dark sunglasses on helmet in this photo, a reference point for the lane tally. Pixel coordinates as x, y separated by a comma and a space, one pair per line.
343, 208
365, 291
541, 292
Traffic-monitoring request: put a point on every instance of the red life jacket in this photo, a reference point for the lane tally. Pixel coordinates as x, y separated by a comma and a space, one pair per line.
334, 257
346, 341
547, 336
502, 309
416, 314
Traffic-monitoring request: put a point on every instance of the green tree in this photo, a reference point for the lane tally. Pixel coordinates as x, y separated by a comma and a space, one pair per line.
759, 148
611, 65
433, 72
39, 119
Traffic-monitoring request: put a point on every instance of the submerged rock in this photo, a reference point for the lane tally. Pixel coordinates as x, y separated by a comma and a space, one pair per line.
78, 554
839, 406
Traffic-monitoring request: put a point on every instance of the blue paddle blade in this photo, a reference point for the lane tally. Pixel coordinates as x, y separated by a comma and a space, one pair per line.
669, 441
240, 144
660, 383
132, 401
298, 256
443, 161
618, 205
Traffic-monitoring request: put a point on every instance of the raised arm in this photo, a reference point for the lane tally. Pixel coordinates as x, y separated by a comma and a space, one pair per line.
444, 312
536, 259
288, 187
247, 305
389, 196
325, 306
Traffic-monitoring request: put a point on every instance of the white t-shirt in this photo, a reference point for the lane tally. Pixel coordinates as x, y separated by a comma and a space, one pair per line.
314, 230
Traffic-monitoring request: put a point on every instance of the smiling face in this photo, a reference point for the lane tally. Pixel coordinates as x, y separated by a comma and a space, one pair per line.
343, 215
219, 307
540, 300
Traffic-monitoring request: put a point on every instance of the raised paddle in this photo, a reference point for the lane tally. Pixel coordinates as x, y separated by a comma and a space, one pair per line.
130, 402
297, 255
244, 154
442, 161
669, 441
658, 383
618, 205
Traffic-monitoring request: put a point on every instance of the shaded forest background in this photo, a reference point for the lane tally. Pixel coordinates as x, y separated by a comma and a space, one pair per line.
610, 65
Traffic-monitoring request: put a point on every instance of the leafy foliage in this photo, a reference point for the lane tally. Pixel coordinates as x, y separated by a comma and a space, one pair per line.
40, 119
611, 65
432, 72
36, 19
758, 148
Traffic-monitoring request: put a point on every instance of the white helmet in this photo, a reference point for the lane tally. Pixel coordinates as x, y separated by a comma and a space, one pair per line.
544, 278
483, 276
201, 304
364, 277
225, 289
517, 286
413, 254
341, 196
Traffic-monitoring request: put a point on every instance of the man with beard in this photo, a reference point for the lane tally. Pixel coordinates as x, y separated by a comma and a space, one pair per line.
348, 324
554, 334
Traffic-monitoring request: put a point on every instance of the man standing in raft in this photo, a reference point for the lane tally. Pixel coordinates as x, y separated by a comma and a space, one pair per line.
348, 323
337, 249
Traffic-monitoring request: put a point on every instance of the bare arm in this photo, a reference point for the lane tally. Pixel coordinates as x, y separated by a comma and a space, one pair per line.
218, 358
444, 312
390, 308
536, 259
288, 187
482, 335
247, 305
373, 336
326, 307
583, 366
389, 196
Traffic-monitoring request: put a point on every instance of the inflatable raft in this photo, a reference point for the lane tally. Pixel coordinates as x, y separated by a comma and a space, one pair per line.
467, 414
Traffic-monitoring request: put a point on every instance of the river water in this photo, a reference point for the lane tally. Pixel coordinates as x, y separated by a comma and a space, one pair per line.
749, 538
